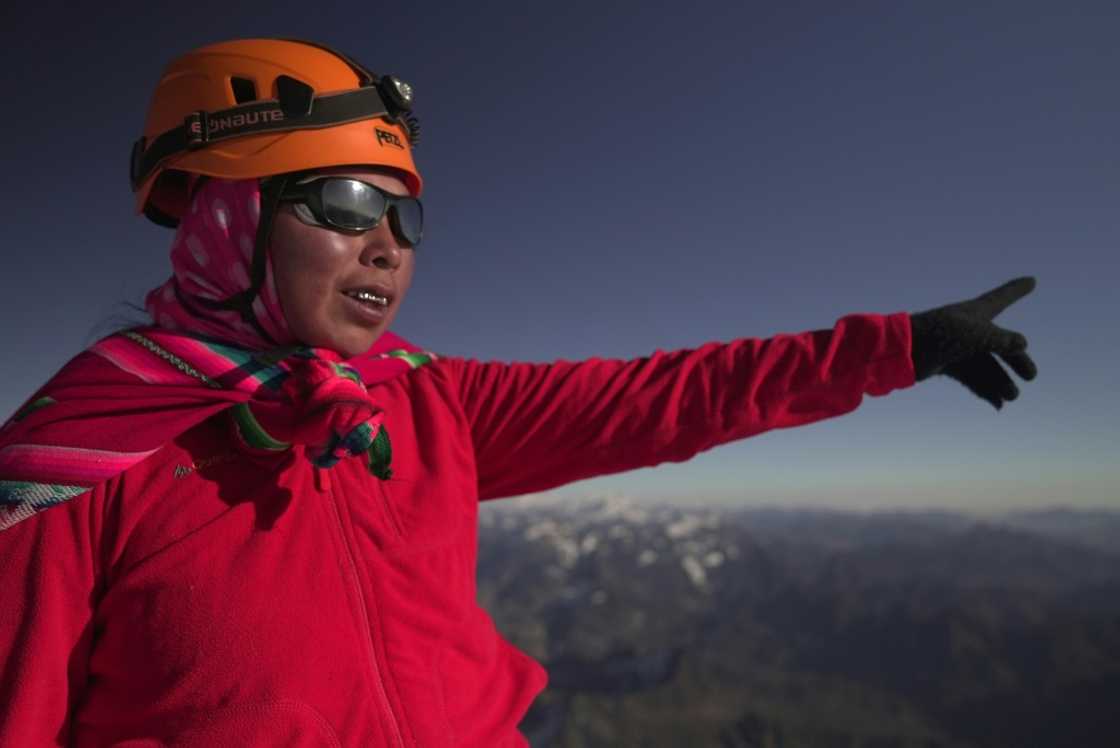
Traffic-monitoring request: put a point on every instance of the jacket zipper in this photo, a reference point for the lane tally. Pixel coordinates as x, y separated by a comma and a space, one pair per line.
365, 616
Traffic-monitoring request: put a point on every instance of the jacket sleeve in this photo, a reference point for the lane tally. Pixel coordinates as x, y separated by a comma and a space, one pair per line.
535, 426
45, 620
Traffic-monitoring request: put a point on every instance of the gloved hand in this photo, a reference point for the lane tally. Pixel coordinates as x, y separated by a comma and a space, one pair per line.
958, 340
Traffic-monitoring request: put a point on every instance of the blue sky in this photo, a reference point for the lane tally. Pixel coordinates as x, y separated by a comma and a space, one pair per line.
610, 179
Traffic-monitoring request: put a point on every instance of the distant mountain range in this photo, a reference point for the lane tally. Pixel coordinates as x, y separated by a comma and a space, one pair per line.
672, 626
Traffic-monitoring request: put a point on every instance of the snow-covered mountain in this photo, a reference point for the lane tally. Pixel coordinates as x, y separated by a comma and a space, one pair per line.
672, 625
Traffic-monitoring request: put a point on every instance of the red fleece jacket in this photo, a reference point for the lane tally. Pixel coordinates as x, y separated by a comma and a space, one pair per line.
212, 595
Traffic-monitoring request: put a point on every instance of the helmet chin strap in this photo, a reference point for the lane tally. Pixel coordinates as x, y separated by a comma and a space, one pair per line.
271, 188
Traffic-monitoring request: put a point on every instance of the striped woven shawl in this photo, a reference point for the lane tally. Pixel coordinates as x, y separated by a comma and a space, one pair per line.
123, 398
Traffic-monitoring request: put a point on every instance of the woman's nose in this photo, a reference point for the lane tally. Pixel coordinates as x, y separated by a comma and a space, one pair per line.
381, 249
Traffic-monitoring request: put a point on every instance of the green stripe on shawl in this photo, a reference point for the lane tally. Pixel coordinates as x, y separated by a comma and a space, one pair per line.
347, 372
37, 494
31, 407
381, 455
252, 432
415, 360
258, 366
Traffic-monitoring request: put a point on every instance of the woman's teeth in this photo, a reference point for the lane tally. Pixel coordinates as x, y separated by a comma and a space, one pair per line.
368, 297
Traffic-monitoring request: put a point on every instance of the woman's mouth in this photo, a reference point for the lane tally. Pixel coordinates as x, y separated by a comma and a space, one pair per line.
368, 308
368, 297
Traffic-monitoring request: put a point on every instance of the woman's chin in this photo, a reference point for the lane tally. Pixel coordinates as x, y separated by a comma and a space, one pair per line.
354, 340
355, 343
345, 333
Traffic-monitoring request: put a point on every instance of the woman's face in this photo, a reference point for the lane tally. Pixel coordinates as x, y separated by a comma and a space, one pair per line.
317, 268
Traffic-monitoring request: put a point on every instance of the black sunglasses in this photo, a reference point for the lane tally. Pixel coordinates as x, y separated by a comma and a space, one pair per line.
353, 205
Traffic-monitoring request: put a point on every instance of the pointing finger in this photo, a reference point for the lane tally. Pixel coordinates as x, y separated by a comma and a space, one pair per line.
995, 301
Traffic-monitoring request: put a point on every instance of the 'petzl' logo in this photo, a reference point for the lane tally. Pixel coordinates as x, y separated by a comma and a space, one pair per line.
384, 136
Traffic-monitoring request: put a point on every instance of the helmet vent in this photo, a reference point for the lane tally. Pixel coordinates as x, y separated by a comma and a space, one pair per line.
244, 89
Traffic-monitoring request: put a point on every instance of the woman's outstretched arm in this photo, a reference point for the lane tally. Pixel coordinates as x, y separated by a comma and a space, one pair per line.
537, 426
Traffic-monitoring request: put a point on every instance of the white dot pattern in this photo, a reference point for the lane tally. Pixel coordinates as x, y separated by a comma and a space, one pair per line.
221, 213
210, 256
194, 244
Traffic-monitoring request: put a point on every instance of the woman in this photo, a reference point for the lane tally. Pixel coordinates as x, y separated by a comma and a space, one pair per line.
254, 522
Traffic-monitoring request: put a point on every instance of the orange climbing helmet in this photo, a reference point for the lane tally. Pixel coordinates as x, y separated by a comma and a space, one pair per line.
258, 107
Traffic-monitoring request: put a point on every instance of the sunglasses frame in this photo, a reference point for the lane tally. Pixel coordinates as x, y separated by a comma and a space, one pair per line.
310, 193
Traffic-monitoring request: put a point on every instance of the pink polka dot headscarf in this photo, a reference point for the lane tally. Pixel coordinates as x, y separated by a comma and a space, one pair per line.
211, 259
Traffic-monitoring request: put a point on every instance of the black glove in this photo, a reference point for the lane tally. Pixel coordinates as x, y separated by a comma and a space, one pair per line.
958, 340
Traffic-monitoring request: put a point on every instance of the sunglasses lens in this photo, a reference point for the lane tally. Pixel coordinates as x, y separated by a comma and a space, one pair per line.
350, 204
410, 218
356, 206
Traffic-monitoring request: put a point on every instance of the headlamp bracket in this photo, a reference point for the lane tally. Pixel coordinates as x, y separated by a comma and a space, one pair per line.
397, 96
